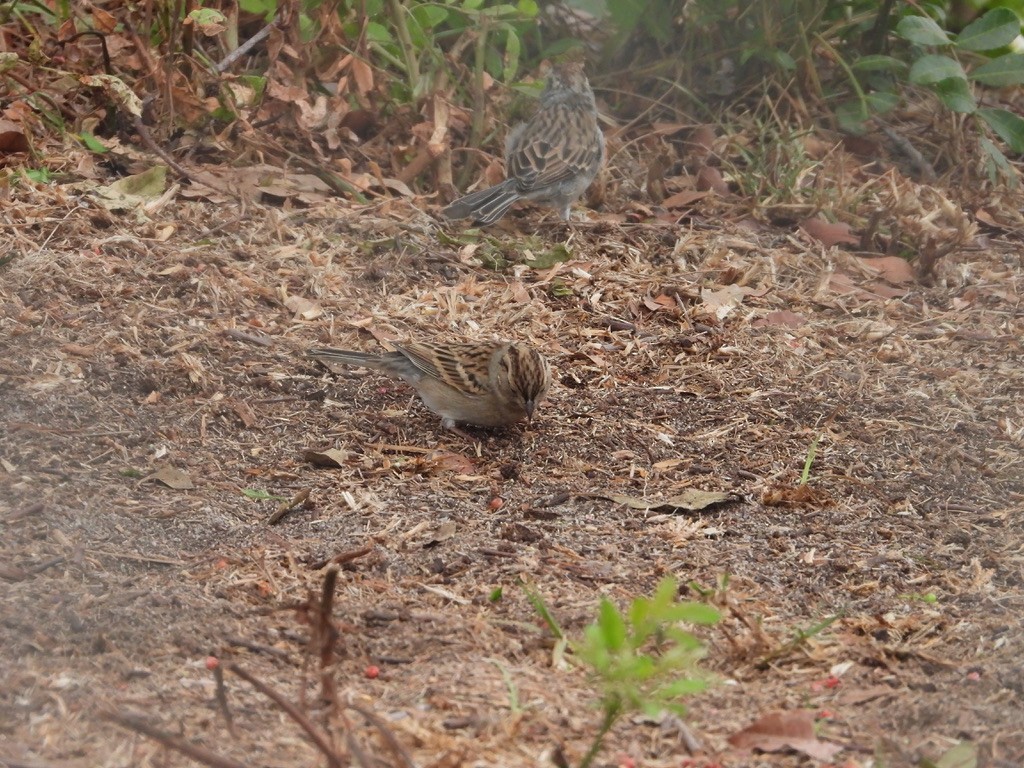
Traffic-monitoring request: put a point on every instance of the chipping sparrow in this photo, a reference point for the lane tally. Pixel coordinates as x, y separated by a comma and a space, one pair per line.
485, 384
550, 159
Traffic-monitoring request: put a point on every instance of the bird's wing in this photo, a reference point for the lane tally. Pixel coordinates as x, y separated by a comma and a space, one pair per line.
558, 144
464, 367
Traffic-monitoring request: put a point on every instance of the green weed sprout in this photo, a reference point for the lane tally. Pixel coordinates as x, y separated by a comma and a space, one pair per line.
642, 660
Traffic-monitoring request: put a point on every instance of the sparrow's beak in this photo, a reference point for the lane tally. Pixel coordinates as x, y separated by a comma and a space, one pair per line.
530, 406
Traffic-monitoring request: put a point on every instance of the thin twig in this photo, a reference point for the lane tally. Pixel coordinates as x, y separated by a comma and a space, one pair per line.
393, 745
222, 699
327, 635
228, 61
319, 741
178, 744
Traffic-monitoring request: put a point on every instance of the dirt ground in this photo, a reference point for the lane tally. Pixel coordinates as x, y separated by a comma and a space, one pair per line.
686, 356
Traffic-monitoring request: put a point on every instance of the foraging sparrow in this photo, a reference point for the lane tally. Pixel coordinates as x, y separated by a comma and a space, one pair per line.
550, 159
485, 384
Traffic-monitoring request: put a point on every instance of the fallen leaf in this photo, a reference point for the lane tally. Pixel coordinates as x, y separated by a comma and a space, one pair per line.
701, 142
303, 308
723, 301
244, 412
981, 215
829, 234
855, 697
661, 301
363, 75
332, 458
132, 192
690, 500
172, 478
781, 731
444, 532
783, 495
683, 199
668, 463
963, 755
710, 177
12, 138
891, 268
446, 461
782, 317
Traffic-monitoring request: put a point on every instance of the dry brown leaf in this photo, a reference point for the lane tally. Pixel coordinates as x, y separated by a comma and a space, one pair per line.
102, 21
783, 495
12, 138
303, 308
362, 73
244, 412
891, 268
444, 532
446, 461
723, 301
781, 731
842, 283
709, 177
701, 142
829, 234
986, 218
690, 500
783, 317
331, 458
668, 129
683, 199
172, 478
661, 301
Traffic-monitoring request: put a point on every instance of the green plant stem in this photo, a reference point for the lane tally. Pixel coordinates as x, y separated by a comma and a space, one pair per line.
612, 710
476, 127
837, 57
412, 68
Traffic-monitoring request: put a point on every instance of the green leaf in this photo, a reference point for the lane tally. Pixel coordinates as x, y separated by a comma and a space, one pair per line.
783, 60
541, 608
265, 8
682, 687
879, 63
851, 115
1008, 126
922, 31
511, 55
613, 628
548, 259
692, 613
956, 95
1002, 71
933, 68
560, 289
495, 595
963, 755
881, 102
997, 163
428, 16
378, 33
528, 8
92, 143
997, 28
593, 650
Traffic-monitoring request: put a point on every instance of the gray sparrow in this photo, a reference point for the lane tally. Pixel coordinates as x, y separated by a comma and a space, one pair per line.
550, 159
487, 384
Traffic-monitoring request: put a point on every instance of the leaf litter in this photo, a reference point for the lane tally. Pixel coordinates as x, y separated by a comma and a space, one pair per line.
697, 349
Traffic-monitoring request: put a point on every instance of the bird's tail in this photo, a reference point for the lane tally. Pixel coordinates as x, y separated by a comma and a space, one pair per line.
345, 357
485, 206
